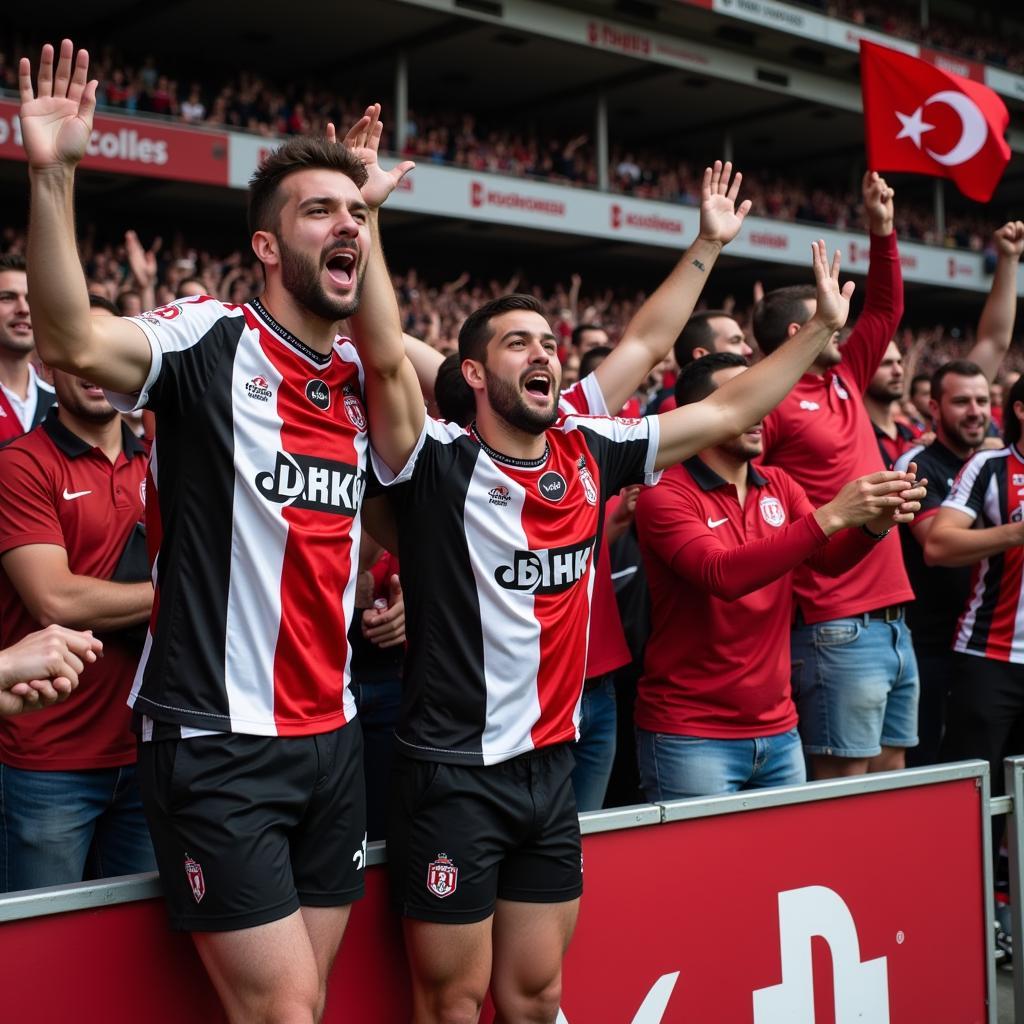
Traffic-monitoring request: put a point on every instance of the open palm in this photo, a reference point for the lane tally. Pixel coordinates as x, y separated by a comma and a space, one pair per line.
56, 123
833, 299
720, 218
363, 139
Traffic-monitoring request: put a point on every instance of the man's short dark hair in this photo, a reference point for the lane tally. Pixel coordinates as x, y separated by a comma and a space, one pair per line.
12, 261
452, 394
580, 329
305, 152
694, 384
476, 330
192, 280
593, 358
777, 310
916, 380
698, 333
1011, 425
959, 367
102, 302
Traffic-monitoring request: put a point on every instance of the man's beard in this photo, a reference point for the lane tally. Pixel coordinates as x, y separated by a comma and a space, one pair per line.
957, 433
506, 401
98, 416
301, 279
886, 392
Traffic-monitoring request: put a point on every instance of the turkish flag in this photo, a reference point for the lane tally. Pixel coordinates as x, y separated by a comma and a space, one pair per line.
922, 119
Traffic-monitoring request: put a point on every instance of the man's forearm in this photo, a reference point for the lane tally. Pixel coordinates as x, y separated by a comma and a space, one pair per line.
377, 326
84, 602
60, 300
748, 398
659, 320
959, 547
995, 326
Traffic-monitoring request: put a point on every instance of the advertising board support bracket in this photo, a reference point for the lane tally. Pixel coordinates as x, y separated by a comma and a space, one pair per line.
1014, 772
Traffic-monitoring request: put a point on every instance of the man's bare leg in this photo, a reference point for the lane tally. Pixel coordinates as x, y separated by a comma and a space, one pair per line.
450, 968
530, 940
891, 759
828, 766
271, 974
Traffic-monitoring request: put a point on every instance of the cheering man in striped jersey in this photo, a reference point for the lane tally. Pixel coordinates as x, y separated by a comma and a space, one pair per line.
250, 761
498, 523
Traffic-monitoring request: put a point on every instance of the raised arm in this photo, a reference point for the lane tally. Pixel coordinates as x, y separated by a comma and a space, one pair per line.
394, 401
750, 396
649, 336
56, 122
995, 328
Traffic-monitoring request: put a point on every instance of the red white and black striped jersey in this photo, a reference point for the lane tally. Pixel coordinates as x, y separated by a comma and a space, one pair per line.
258, 471
498, 571
990, 489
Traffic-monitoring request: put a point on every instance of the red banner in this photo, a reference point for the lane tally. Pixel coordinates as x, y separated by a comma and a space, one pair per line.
126, 145
866, 908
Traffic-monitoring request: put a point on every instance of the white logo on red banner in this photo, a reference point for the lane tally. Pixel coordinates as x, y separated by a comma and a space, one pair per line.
973, 128
196, 882
652, 1009
442, 876
861, 989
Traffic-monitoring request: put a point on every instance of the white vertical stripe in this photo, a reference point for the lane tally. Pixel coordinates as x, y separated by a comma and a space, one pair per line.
152, 494
258, 538
348, 354
511, 632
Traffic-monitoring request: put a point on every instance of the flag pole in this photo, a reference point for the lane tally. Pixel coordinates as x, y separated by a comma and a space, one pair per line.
940, 211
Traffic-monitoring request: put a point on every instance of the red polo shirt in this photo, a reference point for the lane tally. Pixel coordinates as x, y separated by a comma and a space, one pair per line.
717, 662
821, 435
57, 489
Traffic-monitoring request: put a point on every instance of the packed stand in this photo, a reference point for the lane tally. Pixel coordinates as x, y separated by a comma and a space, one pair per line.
254, 103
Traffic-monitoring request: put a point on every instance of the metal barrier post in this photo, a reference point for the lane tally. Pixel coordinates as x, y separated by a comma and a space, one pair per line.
1014, 770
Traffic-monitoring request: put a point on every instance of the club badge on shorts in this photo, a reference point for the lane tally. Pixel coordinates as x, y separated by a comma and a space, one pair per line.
442, 876
196, 882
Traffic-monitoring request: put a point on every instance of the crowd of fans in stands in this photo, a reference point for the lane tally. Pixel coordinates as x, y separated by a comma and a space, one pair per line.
1003, 48
254, 103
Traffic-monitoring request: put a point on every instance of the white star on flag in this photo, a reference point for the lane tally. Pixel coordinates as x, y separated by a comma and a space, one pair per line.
914, 126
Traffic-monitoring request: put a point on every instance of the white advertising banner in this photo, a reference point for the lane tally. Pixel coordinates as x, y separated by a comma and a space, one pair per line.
468, 195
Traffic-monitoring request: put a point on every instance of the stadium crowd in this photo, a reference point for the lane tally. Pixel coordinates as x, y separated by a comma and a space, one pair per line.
765, 630
253, 102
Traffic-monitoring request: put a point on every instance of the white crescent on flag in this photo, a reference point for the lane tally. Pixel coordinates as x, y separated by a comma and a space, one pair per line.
973, 127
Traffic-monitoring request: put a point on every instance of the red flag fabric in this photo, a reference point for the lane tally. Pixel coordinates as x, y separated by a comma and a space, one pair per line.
920, 118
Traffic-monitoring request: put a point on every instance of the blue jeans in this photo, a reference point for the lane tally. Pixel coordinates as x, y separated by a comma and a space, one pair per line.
674, 767
855, 686
377, 704
62, 827
595, 749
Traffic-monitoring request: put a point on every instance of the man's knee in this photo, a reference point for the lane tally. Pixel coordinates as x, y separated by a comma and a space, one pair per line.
450, 1004
537, 1006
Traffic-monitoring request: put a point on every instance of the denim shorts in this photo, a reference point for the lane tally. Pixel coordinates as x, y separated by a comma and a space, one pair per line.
855, 686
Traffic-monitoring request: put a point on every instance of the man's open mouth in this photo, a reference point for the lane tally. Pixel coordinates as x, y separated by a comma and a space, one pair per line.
341, 266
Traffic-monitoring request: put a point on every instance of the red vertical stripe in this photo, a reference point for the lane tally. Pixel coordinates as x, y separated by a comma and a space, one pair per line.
312, 643
1004, 616
563, 617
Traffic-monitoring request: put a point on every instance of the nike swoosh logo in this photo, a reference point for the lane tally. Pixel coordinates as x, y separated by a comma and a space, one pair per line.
716, 522
71, 495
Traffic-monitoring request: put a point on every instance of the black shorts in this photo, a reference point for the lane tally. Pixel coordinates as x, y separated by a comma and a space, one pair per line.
462, 836
247, 829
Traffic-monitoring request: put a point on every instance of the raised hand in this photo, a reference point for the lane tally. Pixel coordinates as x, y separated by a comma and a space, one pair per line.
1009, 240
878, 203
720, 218
363, 138
833, 301
142, 261
56, 122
